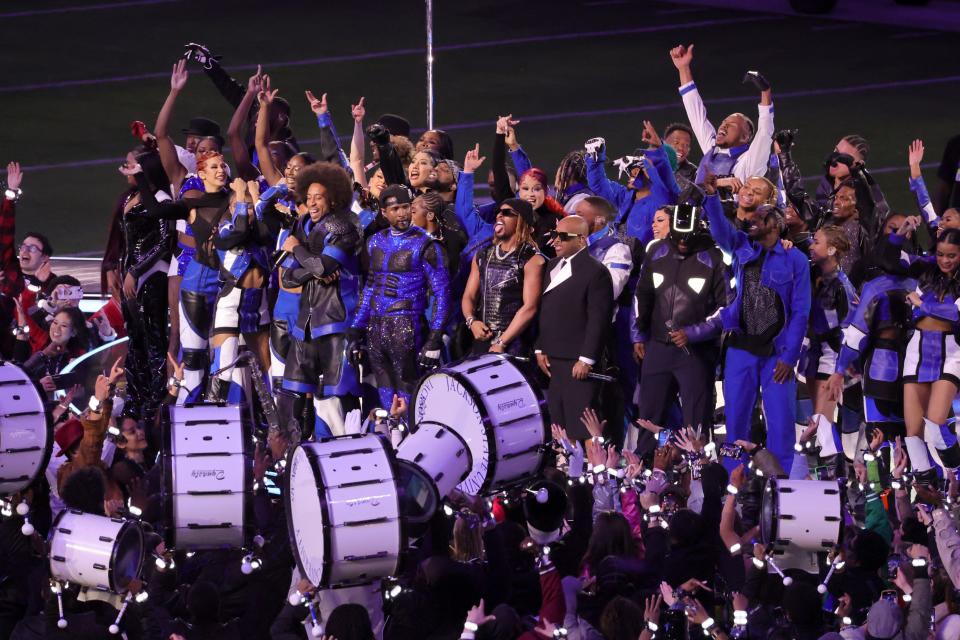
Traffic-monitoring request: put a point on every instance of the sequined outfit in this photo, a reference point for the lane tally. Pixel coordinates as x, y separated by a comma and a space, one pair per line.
145, 256
403, 265
501, 293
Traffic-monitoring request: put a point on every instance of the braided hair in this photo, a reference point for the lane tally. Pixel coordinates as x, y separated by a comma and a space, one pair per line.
572, 170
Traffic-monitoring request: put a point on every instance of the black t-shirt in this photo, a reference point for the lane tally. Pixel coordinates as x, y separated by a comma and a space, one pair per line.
949, 172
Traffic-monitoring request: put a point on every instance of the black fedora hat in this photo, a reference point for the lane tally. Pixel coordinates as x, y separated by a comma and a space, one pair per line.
205, 128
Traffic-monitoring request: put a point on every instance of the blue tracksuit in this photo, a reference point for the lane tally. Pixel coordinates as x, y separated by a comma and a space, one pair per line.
637, 214
788, 274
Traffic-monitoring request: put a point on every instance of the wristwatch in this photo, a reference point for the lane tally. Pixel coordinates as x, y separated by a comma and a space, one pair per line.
173, 382
94, 404
13, 194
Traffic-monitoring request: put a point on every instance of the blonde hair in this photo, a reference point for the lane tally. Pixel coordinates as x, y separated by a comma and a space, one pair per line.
837, 238
774, 192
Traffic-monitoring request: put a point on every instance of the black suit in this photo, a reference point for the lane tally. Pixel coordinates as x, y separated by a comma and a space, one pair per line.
575, 315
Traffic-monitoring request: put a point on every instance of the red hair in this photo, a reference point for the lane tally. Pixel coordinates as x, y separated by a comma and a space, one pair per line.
549, 202
205, 157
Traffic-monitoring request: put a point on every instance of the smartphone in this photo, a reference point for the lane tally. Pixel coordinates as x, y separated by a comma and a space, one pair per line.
730, 450
893, 564
664, 436
270, 482
66, 380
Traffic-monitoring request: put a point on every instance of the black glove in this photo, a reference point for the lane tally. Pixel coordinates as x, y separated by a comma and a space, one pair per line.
756, 79
429, 357
378, 134
785, 138
356, 346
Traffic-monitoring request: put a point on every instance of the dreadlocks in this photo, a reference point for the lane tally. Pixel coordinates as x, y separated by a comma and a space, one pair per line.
572, 170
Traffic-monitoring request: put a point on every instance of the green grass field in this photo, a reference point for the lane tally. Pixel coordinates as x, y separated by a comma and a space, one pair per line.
572, 70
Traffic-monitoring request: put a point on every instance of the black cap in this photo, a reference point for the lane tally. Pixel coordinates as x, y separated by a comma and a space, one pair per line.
395, 194
204, 127
523, 208
396, 125
544, 504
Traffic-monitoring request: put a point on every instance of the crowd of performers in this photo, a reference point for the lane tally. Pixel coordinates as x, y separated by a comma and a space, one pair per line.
631, 295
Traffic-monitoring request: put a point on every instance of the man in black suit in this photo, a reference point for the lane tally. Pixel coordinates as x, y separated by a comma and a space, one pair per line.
575, 313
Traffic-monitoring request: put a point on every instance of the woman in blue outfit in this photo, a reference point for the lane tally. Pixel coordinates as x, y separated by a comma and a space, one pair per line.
931, 368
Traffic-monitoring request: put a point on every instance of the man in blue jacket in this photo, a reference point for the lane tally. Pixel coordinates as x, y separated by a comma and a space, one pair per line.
767, 321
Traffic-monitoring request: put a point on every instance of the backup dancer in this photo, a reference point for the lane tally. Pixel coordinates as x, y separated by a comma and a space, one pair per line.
143, 261
931, 370
201, 277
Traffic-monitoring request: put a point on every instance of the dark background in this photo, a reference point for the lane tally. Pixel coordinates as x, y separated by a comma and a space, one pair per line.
75, 76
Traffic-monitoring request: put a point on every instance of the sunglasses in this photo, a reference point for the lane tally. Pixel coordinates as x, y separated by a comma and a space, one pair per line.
565, 236
508, 213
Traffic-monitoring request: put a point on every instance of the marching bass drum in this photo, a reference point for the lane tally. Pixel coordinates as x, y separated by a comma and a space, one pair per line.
803, 514
440, 452
343, 510
499, 412
26, 432
207, 477
95, 551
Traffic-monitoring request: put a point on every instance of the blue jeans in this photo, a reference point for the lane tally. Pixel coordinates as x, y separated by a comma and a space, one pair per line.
744, 373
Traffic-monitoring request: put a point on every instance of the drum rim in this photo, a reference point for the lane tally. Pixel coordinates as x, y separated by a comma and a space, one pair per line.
770, 488
500, 360
48, 421
127, 524
325, 509
466, 448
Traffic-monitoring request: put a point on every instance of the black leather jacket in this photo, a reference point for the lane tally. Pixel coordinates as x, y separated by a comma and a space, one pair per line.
684, 289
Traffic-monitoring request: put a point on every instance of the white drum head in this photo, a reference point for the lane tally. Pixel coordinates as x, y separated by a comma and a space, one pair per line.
26, 434
95, 551
491, 403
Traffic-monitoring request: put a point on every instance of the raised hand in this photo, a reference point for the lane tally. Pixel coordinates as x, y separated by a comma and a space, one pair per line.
319, 107
505, 122
267, 96
116, 371
253, 188
358, 111
477, 616
595, 454
592, 422
14, 175
179, 75
511, 138
239, 188
649, 426
915, 153
472, 161
650, 135
398, 407
682, 56
255, 82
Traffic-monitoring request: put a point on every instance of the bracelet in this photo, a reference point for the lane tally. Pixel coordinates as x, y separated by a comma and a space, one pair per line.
471, 626
470, 321
652, 626
498, 342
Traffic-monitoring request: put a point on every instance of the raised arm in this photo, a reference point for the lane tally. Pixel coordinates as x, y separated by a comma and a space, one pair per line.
521, 161
176, 172
358, 144
261, 140
501, 182
757, 157
235, 133
467, 213
723, 233
12, 282
919, 187
682, 57
330, 150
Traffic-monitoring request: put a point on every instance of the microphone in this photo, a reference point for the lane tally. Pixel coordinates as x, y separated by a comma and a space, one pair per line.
670, 328
283, 256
